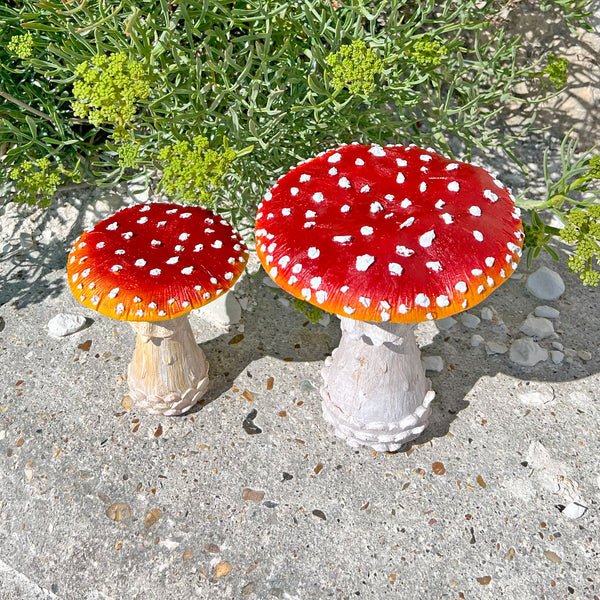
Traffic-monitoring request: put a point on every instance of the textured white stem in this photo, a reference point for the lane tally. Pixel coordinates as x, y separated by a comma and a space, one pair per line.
375, 392
168, 373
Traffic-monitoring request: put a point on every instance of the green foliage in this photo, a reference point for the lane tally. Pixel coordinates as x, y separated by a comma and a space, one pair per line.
106, 86
191, 173
313, 313
107, 90
21, 46
554, 73
354, 67
35, 182
574, 198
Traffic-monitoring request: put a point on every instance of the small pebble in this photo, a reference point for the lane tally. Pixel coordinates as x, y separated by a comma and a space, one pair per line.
557, 346
476, 340
469, 320
527, 353
557, 356
537, 327
545, 284
65, 324
433, 363
584, 355
574, 510
539, 395
445, 324
546, 311
500, 327
487, 314
493, 347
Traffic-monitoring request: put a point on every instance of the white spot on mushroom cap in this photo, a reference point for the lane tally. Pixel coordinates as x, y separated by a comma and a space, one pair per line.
335, 158
480, 289
127, 235
152, 305
333, 171
286, 212
498, 183
366, 230
427, 238
454, 186
365, 189
156, 243
297, 268
404, 251
185, 236
440, 204
173, 260
217, 244
120, 251
405, 203
198, 247
120, 308
346, 208
434, 265
385, 316
294, 191
442, 301
273, 272
90, 287
364, 261
185, 215
185, 304
116, 268
401, 162
403, 309
478, 235
423, 186
475, 211
100, 245
366, 302
309, 214
489, 261
284, 261
95, 300
161, 223
425, 157
490, 195
145, 208
306, 293
272, 247
85, 272
461, 286
377, 151
422, 300
113, 293
318, 197
400, 178
376, 207
142, 220
342, 239
476, 272
155, 272
349, 310
490, 281
344, 182
140, 262
359, 162
112, 226
389, 197
395, 268
315, 283
321, 296
187, 270
313, 252
451, 166
407, 223
304, 177
448, 218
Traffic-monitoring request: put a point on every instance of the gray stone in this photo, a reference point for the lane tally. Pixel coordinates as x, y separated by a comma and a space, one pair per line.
557, 356
584, 355
447, 323
433, 363
557, 346
487, 314
537, 327
545, 284
527, 353
476, 340
65, 324
469, 320
493, 347
537, 395
546, 311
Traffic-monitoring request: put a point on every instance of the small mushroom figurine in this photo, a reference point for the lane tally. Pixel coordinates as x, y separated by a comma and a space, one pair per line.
151, 264
386, 237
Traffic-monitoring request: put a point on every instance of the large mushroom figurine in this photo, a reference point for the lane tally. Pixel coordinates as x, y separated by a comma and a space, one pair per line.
386, 237
151, 264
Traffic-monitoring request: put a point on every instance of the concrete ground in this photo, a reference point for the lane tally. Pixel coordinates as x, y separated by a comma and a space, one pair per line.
251, 495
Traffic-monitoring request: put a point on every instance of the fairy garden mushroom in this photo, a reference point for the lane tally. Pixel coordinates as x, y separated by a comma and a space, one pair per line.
151, 264
386, 237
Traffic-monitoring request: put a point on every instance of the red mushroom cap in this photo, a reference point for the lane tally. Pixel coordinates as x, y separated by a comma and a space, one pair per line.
391, 233
153, 262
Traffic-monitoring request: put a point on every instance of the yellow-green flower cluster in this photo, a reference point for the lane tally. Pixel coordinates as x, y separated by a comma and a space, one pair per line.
21, 46
427, 52
191, 173
556, 70
583, 231
354, 67
128, 155
107, 91
34, 182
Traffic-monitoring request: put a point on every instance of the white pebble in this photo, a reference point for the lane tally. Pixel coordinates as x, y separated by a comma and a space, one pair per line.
537, 395
545, 284
557, 356
537, 327
557, 346
469, 320
65, 324
546, 311
574, 510
487, 314
527, 353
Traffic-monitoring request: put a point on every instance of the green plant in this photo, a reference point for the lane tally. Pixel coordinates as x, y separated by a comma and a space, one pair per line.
106, 88
574, 198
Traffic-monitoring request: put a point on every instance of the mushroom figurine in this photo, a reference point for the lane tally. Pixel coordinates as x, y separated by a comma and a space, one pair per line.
386, 237
151, 264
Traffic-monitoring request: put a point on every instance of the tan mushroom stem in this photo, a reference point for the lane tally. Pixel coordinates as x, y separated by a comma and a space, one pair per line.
375, 392
168, 373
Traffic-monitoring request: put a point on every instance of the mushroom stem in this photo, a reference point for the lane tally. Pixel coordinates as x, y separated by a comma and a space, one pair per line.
375, 392
168, 373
